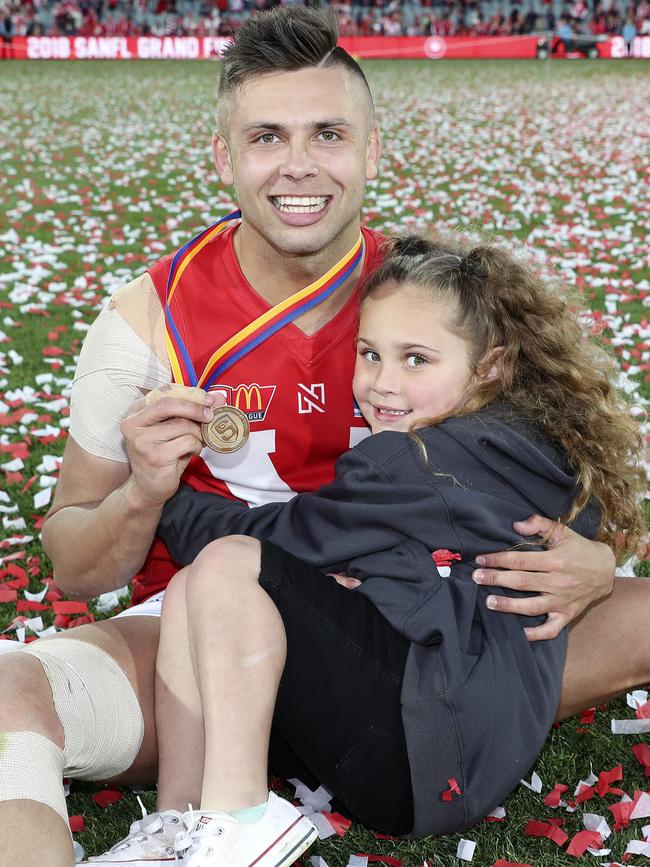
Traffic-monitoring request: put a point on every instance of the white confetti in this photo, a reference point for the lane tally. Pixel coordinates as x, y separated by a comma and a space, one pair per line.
36, 597
594, 822
637, 698
42, 498
638, 847
465, 849
642, 807
12, 466
535, 784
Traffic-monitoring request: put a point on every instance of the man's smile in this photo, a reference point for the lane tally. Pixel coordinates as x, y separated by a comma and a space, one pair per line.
300, 204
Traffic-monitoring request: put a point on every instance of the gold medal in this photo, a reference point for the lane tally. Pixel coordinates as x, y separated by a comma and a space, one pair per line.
228, 431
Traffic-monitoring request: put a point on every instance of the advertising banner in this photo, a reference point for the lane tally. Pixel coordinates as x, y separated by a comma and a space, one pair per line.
362, 47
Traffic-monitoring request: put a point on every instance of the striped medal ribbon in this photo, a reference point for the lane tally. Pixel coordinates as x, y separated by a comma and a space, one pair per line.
229, 429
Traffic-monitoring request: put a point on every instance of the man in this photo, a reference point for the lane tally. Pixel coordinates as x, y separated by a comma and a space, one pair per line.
296, 135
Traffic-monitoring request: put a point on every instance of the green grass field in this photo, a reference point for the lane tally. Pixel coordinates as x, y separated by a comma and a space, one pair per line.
105, 166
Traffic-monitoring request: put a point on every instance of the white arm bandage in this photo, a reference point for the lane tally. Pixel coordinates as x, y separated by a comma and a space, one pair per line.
116, 367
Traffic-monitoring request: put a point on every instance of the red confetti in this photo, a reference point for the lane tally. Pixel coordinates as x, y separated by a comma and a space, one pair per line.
553, 798
338, 822
582, 841
66, 607
81, 621
106, 797
643, 711
502, 863
25, 605
384, 859
16, 583
28, 484
550, 830
77, 824
588, 716
443, 557
585, 793
605, 778
13, 569
642, 753
454, 789
621, 812
7, 594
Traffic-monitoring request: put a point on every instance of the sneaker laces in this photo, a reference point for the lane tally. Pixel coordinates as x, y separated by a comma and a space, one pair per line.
183, 840
191, 842
150, 823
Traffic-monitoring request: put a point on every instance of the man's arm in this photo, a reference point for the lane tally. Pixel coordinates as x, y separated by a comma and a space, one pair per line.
572, 574
104, 514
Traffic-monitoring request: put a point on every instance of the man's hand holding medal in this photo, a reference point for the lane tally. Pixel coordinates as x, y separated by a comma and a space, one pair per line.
162, 433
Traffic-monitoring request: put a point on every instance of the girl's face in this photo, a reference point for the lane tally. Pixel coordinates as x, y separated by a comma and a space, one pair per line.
410, 367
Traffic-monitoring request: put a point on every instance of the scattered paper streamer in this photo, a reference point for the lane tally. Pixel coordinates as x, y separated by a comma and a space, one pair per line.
630, 726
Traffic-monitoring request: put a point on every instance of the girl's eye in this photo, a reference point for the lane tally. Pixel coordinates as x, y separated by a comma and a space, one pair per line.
369, 354
415, 360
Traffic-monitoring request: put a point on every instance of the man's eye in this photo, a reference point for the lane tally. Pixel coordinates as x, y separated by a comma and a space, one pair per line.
329, 135
415, 360
267, 138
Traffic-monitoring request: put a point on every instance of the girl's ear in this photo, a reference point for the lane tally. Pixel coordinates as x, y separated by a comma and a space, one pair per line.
488, 369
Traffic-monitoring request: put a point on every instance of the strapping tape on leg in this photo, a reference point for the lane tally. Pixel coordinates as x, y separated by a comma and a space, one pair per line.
99, 711
31, 768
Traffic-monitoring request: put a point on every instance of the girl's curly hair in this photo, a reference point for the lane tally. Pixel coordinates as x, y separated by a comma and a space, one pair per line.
552, 373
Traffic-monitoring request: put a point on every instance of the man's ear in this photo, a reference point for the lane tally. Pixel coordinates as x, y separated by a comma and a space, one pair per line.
488, 368
221, 158
373, 153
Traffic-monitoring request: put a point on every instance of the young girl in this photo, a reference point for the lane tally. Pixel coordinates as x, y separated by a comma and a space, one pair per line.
413, 703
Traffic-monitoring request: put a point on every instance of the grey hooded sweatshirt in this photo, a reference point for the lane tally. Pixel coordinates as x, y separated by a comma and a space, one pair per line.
478, 699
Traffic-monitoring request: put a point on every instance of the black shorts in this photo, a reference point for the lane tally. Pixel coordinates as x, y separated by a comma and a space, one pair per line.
338, 713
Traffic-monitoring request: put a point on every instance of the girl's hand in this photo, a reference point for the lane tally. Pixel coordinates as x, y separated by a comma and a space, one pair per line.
569, 576
344, 580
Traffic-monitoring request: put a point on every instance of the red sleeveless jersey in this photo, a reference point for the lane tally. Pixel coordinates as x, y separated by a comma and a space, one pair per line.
294, 388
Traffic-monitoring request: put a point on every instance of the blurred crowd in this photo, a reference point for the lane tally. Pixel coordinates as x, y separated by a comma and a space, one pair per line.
357, 17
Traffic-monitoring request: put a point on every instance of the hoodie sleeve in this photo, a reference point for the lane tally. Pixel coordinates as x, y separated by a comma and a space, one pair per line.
363, 511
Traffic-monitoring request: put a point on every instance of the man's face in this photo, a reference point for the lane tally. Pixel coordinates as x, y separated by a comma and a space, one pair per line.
299, 147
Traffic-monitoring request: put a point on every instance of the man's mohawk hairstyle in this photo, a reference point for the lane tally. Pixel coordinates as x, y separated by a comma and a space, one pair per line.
284, 39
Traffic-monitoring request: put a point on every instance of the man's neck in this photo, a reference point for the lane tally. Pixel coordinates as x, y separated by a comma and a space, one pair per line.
276, 276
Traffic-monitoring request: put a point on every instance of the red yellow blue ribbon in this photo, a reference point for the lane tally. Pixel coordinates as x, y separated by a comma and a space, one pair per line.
252, 335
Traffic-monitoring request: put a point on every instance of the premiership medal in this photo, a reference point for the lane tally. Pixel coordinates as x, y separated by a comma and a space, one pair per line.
229, 429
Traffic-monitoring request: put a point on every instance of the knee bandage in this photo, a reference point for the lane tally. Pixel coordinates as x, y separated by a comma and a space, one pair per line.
31, 768
101, 718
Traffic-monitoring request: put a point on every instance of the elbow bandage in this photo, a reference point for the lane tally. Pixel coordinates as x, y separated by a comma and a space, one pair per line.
102, 724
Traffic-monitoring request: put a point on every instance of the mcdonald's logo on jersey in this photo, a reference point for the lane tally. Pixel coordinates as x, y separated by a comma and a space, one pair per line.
253, 400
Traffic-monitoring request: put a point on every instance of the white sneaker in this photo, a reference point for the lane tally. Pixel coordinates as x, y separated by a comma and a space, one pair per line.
149, 843
277, 839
